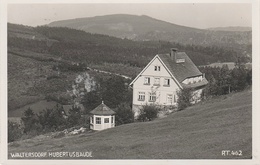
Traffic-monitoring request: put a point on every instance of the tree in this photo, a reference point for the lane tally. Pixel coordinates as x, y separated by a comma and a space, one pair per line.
124, 114
224, 82
239, 79
184, 98
114, 91
74, 116
91, 100
30, 121
148, 113
249, 77
14, 131
52, 119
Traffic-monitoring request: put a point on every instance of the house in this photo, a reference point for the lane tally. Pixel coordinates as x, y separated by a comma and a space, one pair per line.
165, 75
102, 117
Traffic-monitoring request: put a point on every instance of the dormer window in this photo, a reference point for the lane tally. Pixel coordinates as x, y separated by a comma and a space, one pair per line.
157, 68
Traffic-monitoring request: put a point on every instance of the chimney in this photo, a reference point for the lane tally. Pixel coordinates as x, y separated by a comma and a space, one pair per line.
173, 53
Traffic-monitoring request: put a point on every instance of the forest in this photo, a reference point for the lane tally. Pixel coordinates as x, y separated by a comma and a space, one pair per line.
96, 49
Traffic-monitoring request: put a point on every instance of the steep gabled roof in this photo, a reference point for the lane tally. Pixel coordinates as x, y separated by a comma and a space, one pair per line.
181, 71
178, 71
149, 65
102, 109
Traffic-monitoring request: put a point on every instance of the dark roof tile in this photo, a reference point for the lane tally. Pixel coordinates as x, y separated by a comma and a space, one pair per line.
183, 70
102, 109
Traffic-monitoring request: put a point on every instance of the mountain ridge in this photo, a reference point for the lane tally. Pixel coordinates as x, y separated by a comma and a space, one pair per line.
121, 25
145, 28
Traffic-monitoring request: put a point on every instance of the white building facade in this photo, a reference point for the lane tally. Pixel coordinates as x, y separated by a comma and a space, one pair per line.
102, 117
165, 75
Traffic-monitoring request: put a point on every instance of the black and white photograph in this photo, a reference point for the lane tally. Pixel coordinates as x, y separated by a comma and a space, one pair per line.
131, 81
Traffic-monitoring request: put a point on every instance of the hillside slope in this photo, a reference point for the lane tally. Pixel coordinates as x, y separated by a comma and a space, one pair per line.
147, 28
232, 28
199, 132
121, 25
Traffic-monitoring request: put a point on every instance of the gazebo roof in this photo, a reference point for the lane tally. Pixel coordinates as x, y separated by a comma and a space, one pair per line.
102, 109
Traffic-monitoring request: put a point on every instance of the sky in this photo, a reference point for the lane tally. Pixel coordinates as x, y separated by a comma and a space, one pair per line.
198, 15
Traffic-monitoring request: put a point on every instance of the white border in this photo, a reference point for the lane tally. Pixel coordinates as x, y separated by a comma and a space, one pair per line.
3, 86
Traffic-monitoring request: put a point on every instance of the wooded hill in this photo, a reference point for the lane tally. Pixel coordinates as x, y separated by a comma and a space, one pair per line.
145, 28
35, 52
77, 45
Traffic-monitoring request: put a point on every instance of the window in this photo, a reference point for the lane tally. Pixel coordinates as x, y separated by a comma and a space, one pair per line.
147, 80
112, 119
98, 120
91, 119
156, 81
157, 68
152, 97
167, 82
169, 98
106, 120
141, 96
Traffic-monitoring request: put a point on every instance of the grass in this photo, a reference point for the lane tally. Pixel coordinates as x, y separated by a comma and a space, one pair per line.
27, 81
122, 69
198, 132
36, 107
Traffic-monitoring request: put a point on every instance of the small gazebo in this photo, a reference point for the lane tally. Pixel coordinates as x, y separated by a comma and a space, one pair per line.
102, 117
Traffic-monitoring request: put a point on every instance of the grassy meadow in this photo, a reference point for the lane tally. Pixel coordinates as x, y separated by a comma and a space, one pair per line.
198, 132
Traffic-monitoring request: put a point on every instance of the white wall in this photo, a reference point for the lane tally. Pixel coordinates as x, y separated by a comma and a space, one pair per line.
103, 125
161, 90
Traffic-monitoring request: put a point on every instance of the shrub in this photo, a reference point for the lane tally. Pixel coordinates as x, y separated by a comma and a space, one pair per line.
184, 98
74, 118
148, 113
30, 121
15, 131
124, 114
52, 119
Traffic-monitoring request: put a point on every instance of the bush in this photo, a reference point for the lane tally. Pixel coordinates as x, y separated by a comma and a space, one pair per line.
184, 98
30, 121
74, 118
148, 113
124, 114
15, 131
52, 119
